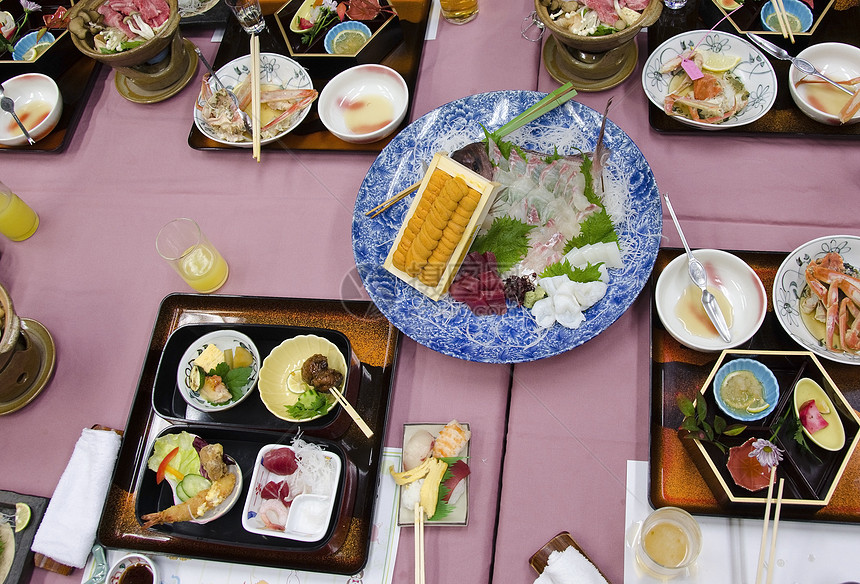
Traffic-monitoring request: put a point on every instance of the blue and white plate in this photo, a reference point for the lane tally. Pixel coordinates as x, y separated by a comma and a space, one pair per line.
28, 41
450, 327
754, 70
790, 282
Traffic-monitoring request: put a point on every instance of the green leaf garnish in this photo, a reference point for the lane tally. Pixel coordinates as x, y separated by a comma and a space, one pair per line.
236, 379
596, 228
590, 273
507, 238
310, 404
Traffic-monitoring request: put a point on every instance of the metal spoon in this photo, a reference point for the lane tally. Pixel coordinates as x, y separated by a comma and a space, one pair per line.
700, 279
7, 105
802, 64
245, 117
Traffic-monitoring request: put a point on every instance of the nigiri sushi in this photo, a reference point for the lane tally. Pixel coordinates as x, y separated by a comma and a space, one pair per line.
451, 440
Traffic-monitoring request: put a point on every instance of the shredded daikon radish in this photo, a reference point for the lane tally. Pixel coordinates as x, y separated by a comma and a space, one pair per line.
314, 472
189, 7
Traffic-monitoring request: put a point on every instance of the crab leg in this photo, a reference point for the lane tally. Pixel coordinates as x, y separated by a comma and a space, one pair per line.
831, 323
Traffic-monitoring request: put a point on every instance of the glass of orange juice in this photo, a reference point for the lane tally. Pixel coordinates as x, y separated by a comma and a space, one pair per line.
184, 246
668, 543
459, 11
17, 220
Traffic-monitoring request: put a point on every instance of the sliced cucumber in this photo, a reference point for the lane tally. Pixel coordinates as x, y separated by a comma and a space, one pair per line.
191, 485
180, 492
196, 379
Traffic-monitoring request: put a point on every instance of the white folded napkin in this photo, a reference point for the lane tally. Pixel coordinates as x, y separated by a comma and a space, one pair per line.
569, 567
68, 529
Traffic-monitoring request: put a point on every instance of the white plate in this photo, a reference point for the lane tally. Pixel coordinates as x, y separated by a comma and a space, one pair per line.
754, 70
459, 516
226, 339
275, 70
297, 527
789, 283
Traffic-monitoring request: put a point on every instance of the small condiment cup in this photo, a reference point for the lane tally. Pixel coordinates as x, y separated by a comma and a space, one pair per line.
668, 543
133, 569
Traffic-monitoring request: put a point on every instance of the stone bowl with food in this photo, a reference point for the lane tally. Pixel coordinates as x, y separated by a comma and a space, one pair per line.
739, 291
737, 88
38, 104
818, 99
364, 104
592, 42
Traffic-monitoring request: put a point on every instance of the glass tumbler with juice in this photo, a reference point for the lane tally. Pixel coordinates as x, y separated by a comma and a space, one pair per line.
459, 11
669, 542
184, 246
18, 221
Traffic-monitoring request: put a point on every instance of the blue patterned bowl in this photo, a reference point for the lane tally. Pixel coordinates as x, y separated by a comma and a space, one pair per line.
764, 375
344, 26
28, 41
794, 7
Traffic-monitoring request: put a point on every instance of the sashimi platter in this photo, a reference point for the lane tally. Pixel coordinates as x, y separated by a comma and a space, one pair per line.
521, 241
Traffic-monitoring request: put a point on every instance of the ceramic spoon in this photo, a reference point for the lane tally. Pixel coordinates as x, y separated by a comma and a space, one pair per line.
802, 64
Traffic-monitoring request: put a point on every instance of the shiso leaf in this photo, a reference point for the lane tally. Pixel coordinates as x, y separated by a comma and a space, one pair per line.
507, 238
590, 273
597, 228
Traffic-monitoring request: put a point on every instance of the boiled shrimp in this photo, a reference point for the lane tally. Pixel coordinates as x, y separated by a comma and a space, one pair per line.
196, 505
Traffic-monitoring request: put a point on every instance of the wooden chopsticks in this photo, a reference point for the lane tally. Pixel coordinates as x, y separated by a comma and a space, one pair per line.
771, 555
352, 413
255, 95
390, 201
782, 17
418, 522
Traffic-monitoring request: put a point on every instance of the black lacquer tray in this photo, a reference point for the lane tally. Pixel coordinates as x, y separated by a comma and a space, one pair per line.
22, 562
374, 342
840, 23
167, 402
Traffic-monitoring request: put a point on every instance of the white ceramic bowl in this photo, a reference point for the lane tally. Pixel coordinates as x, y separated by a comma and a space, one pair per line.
35, 96
838, 61
789, 284
224, 340
727, 273
352, 88
131, 562
754, 70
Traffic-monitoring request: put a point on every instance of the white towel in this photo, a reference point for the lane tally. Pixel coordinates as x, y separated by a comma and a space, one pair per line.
569, 567
68, 529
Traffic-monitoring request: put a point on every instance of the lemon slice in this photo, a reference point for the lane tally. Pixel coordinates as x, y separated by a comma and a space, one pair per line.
756, 407
348, 42
719, 62
22, 516
822, 406
35, 51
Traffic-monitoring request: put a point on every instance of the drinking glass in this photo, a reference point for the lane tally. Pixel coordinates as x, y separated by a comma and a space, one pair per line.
184, 246
675, 4
17, 220
459, 11
249, 15
668, 543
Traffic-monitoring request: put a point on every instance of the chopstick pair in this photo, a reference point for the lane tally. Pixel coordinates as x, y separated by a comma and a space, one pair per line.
771, 554
255, 95
390, 201
418, 522
782, 17
352, 413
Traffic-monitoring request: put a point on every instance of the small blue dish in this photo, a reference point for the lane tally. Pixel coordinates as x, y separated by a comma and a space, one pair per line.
28, 41
764, 375
348, 25
794, 7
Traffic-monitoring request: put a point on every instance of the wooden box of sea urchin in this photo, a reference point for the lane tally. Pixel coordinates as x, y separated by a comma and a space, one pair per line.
439, 227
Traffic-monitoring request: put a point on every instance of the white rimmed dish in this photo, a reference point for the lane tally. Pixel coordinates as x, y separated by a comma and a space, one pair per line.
224, 340
790, 281
309, 514
727, 273
280, 377
354, 87
839, 61
754, 70
274, 70
226, 505
770, 388
130, 562
30, 90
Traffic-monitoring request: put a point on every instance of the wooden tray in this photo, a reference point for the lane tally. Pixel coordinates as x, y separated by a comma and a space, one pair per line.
311, 134
838, 24
559, 543
374, 341
674, 478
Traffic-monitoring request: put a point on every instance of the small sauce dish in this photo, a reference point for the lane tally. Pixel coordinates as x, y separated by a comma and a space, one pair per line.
800, 16
133, 569
741, 369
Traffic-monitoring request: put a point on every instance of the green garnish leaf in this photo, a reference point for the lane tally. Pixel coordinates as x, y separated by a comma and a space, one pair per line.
310, 404
236, 379
221, 370
734, 429
685, 405
507, 238
597, 228
590, 273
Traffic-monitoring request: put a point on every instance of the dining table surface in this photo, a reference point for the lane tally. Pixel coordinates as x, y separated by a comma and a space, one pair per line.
550, 438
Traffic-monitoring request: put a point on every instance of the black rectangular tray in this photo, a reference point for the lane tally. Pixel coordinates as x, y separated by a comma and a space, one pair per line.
22, 563
784, 118
167, 402
373, 340
227, 531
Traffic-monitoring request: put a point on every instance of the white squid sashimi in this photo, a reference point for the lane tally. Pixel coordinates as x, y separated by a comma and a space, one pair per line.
595, 253
568, 313
589, 293
560, 304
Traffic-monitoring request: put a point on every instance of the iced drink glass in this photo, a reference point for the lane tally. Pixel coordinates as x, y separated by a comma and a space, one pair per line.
184, 246
249, 14
17, 220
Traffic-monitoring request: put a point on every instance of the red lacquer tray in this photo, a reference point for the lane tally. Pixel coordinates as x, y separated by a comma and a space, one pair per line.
374, 342
674, 478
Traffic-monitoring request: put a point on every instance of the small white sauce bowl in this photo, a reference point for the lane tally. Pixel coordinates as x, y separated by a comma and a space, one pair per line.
126, 562
353, 84
728, 273
24, 89
838, 61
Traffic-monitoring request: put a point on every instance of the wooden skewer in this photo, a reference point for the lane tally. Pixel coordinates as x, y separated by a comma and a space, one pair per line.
390, 201
785, 19
418, 522
255, 94
765, 527
771, 558
352, 413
